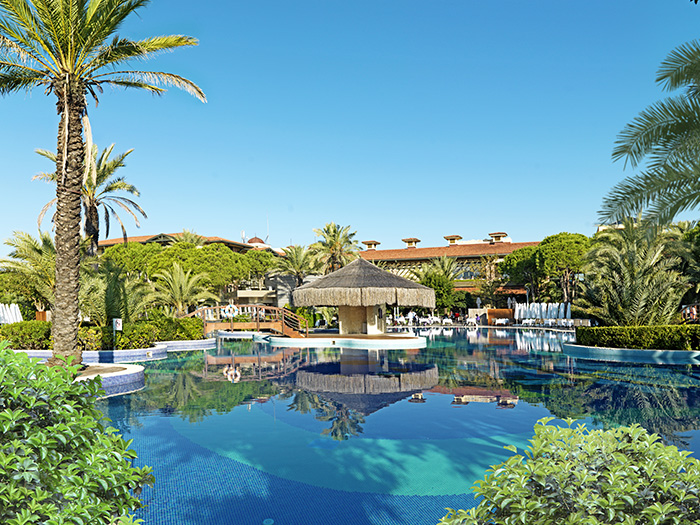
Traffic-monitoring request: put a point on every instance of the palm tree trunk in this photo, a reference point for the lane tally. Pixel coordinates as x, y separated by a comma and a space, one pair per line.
92, 228
69, 168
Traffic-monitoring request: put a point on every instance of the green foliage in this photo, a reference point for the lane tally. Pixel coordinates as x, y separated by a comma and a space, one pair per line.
673, 337
27, 335
36, 335
336, 248
631, 278
464, 300
560, 259
664, 139
578, 476
297, 261
59, 462
444, 289
135, 258
176, 329
178, 289
521, 268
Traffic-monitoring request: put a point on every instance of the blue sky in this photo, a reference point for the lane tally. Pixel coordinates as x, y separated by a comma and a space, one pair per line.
399, 118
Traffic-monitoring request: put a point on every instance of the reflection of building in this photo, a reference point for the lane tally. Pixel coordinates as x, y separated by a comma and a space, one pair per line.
365, 381
472, 394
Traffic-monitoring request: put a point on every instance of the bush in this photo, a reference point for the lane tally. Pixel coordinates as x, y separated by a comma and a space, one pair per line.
59, 463
176, 329
36, 335
672, 337
576, 476
28, 335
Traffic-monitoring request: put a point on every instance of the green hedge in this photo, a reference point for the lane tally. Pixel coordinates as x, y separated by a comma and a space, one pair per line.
672, 337
36, 335
28, 335
59, 460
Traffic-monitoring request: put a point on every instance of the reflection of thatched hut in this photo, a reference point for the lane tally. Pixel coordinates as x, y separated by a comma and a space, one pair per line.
361, 291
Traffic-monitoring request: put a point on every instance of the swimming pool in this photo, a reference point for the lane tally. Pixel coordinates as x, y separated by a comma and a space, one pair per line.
350, 436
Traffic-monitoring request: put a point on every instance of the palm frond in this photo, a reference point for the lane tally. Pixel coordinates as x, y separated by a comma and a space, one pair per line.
151, 80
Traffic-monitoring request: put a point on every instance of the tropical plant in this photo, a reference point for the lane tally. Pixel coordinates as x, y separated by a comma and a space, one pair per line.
575, 475
98, 192
71, 49
111, 293
297, 261
178, 290
336, 248
631, 280
52, 434
446, 266
666, 137
34, 262
187, 236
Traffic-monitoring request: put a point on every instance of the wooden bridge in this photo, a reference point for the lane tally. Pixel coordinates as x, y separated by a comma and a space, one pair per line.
252, 317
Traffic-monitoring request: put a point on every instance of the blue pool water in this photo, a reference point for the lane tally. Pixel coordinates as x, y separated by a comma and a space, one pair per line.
371, 437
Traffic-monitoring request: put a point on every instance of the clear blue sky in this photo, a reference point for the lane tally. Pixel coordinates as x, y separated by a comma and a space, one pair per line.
401, 118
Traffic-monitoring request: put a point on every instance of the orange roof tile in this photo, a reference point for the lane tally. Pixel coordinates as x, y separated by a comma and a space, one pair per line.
452, 250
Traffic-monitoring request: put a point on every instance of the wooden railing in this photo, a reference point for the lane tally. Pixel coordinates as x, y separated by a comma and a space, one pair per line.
252, 317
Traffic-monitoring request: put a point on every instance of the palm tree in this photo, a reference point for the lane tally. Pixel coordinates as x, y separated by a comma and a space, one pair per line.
187, 236
35, 261
666, 136
336, 247
631, 279
71, 49
111, 293
180, 290
297, 261
97, 192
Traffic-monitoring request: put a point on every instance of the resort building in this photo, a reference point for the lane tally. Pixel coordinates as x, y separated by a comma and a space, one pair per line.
468, 255
167, 238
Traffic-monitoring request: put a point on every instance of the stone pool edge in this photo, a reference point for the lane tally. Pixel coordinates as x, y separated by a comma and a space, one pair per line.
632, 355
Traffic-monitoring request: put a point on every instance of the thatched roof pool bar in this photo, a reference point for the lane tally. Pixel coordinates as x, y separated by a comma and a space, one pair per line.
362, 292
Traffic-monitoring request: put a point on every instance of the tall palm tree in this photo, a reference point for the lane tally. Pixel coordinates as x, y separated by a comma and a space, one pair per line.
179, 290
98, 192
336, 248
297, 261
666, 137
631, 278
72, 50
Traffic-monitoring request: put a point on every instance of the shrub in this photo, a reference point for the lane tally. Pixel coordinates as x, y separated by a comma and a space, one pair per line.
175, 329
90, 338
133, 335
576, 476
28, 335
59, 463
672, 337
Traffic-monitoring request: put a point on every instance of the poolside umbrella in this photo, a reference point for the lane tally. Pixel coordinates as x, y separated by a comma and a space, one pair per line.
362, 285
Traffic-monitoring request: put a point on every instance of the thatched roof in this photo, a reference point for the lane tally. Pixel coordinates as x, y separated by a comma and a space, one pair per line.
361, 283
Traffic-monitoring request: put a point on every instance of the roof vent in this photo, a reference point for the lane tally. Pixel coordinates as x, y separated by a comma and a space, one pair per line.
371, 245
411, 242
497, 236
452, 239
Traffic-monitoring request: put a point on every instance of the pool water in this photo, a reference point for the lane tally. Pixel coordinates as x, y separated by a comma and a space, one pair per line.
316, 436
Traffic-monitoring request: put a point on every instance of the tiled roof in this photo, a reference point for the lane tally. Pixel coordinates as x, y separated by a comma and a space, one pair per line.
453, 250
256, 240
141, 239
